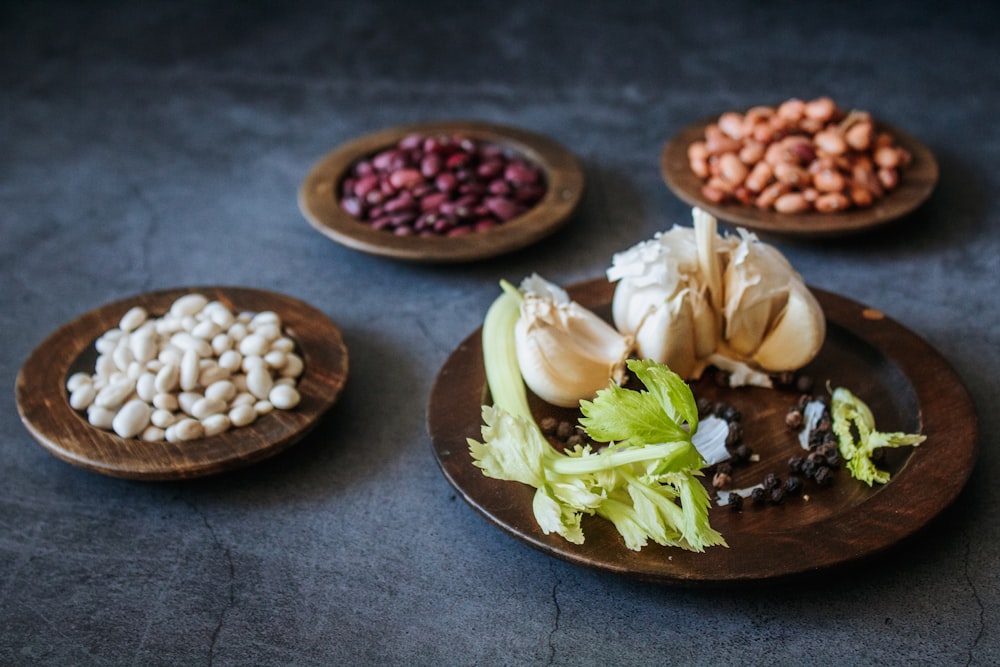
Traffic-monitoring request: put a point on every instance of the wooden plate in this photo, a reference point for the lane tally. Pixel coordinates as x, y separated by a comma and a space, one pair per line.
907, 384
44, 407
318, 199
916, 185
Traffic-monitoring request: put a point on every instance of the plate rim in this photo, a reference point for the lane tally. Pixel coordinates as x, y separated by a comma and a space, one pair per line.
868, 324
43, 402
913, 193
565, 185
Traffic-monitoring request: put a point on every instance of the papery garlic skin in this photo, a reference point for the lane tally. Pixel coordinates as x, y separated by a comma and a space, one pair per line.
692, 298
565, 352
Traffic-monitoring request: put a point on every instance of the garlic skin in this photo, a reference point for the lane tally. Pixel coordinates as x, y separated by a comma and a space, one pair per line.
565, 352
692, 298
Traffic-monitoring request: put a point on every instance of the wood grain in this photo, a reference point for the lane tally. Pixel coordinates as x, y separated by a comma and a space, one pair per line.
917, 182
44, 408
563, 176
908, 385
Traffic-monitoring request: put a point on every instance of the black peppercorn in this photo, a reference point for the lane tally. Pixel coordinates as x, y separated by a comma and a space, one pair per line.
758, 496
724, 467
771, 481
729, 413
735, 502
804, 383
704, 406
793, 485
795, 464
823, 476
735, 434
777, 495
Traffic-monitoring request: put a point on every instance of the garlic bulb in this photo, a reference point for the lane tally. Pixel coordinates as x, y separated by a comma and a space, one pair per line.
566, 352
692, 298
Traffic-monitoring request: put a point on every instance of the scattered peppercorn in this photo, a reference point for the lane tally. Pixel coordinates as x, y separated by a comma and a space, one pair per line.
735, 502
793, 485
758, 496
795, 464
777, 495
771, 481
823, 476
735, 435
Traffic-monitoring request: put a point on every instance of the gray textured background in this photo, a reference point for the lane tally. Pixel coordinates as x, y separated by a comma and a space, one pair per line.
151, 145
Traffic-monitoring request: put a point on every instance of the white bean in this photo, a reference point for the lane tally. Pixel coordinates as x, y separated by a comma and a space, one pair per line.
268, 331
275, 359
168, 378
283, 344
284, 397
83, 396
259, 382
238, 331
242, 415
153, 434
231, 360
104, 365
253, 345
188, 429
100, 417
211, 374
263, 407
294, 365
145, 387
189, 304
187, 399
113, 395
221, 343
133, 318
220, 314
76, 380
166, 402
132, 419
215, 424
162, 418
143, 347
190, 371
186, 342
223, 390
206, 330
206, 407
243, 398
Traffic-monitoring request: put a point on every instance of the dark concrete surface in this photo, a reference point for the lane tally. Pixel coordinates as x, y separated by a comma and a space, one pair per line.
155, 144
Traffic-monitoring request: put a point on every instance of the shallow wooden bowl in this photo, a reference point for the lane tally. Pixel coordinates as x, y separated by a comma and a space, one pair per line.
564, 178
43, 403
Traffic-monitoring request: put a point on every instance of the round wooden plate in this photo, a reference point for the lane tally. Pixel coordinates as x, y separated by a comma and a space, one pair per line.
916, 184
43, 403
908, 385
564, 178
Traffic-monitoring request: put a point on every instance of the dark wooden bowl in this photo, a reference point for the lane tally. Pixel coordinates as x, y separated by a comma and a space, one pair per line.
916, 184
319, 199
908, 385
43, 403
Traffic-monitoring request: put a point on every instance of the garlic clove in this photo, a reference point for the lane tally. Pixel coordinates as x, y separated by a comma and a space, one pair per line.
797, 335
756, 284
565, 351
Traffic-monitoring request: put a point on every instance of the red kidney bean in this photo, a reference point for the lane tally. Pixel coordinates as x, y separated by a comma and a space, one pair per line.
440, 185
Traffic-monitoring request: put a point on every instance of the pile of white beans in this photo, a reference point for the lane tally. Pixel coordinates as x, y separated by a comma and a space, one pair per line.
197, 371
